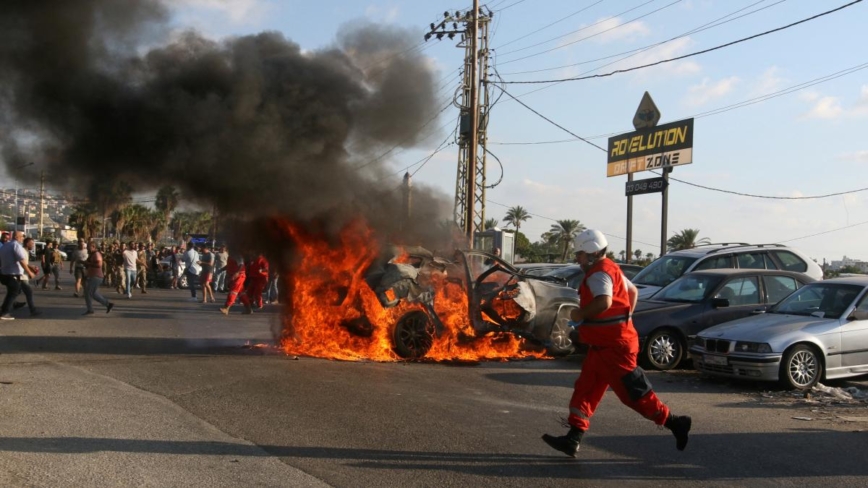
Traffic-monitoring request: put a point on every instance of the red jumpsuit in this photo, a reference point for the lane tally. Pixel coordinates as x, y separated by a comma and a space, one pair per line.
257, 277
611, 360
237, 275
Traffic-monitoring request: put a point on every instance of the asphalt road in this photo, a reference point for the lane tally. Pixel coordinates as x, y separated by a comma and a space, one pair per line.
166, 392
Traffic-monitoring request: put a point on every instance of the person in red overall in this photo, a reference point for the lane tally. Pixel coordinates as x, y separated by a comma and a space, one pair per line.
237, 276
607, 299
257, 277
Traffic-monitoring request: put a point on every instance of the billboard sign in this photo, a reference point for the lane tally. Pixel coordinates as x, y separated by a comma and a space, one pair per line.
659, 147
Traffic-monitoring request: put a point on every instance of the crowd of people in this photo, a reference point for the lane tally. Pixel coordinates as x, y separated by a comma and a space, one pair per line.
133, 267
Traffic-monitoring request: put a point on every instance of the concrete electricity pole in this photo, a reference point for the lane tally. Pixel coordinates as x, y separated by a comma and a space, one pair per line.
41, 202
469, 211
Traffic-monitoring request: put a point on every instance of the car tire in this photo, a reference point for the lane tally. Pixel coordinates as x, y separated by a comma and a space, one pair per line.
560, 341
664, 350
801, 368
413, 335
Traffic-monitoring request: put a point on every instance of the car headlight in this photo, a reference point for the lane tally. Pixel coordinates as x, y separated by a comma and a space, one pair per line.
752, 347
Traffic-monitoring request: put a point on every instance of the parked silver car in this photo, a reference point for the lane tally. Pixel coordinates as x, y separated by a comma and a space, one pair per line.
818, 332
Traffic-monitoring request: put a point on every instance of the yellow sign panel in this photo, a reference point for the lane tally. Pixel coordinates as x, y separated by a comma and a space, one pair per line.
656, 147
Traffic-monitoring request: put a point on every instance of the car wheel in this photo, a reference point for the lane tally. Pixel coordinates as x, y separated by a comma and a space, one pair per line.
413, 335
801, 368
182, 281
560, 340
664, 349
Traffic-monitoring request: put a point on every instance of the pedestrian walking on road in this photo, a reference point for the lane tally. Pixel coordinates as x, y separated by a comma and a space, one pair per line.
130, 258
206, 261
76, 266
13, 264
26, 289
192, 269
604, 321
95, 275
220, 259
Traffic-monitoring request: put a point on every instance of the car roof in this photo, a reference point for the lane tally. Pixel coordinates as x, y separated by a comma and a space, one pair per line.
850, 280
706, 249
749, 271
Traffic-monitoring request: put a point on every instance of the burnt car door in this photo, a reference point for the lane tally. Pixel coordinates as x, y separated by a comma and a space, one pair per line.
498, 295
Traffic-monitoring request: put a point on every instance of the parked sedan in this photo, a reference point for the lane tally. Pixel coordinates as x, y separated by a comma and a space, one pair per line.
700, 300
819, 332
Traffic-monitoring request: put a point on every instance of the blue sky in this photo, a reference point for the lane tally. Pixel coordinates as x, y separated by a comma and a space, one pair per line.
810, 142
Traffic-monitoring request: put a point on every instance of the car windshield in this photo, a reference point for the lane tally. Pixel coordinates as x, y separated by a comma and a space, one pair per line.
691, 288
663, 271
564, 272
827, 300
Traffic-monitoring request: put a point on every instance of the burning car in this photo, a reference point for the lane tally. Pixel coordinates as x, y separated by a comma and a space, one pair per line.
499, 299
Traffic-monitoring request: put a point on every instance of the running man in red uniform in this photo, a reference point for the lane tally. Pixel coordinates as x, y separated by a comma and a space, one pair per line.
607, 299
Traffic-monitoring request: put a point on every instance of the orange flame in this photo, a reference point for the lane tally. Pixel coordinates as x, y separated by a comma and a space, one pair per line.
334, 314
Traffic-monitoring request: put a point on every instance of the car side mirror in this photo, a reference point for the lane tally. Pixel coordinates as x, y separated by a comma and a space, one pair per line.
719, 302
858, 315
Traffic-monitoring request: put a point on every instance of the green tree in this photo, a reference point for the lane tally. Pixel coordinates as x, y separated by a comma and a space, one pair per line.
111, 196
515, 216
490, 224
649, 257
523, 247
184, 223
638, 254
686, 239
611, 255
562, 235
623, 254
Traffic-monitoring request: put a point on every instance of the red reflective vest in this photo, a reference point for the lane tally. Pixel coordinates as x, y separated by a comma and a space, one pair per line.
613, 326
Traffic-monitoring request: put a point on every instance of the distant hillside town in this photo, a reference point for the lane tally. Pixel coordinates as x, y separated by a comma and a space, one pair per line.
58, 208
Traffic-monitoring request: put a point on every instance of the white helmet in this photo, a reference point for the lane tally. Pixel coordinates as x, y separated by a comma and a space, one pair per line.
590, 241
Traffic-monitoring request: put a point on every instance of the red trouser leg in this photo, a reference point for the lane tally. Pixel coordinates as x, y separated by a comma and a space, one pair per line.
254, 291
236, 289
613, 367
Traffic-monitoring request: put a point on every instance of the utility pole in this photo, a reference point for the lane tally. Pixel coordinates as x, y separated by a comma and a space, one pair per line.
470, 181
41, 202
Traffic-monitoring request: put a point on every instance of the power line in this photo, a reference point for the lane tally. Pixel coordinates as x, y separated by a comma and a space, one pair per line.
825, 232
678, 58
716, 111
592, 35
577, 30
555, 220
549, 25
813, 197
551, 121
632, 52
511, 5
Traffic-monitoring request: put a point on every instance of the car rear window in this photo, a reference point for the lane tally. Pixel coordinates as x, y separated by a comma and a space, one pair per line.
716, 262
791, 262
778, 287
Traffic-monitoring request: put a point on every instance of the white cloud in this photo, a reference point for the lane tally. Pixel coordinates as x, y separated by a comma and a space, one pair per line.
665, 51
831, 107
237, 11
707, 91
825, 108
610, 30
382, 13
768, 82
857, 156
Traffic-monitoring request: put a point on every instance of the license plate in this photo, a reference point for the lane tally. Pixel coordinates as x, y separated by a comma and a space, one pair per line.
715, 360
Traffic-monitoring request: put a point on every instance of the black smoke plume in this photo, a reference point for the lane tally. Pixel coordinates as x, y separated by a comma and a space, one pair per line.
253, 125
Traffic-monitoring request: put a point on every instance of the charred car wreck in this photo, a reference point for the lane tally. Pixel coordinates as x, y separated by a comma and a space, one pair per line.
499, 299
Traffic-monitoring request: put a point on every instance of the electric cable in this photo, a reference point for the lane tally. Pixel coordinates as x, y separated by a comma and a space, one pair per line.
685, 56
639, 50
716, 111
549, 25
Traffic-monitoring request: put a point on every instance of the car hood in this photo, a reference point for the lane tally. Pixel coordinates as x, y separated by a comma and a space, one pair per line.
645, 291
760, 328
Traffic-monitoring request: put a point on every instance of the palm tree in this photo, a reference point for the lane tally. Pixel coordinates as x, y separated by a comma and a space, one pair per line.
112, 196
490, 224
85, 219
166, 201
562, 234
686, 239
638, 254
515, 216
623, 254
649, 257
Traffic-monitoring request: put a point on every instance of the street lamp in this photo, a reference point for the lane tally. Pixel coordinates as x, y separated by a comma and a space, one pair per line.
17, 206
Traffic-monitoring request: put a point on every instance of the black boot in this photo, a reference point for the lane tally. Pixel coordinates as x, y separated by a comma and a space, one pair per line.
567, 444
679, 426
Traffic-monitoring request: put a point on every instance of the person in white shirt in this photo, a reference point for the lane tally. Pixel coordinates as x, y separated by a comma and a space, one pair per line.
130, 258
